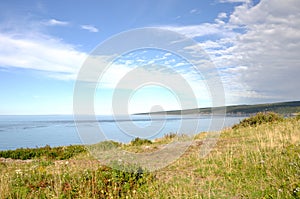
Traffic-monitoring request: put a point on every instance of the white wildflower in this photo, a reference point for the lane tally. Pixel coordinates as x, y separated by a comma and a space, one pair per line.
18, 171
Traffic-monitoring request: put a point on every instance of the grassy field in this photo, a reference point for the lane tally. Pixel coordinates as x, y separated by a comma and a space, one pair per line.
254, 161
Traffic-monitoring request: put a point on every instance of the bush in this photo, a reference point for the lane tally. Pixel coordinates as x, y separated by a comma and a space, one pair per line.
58, 153
138, 142
104, 145
119, 183
170, 135
259, 118
298, 116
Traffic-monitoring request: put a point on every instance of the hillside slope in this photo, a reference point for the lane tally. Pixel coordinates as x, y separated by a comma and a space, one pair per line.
285, 108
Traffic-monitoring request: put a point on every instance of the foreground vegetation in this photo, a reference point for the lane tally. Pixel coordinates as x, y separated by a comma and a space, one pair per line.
56, 153
249, 161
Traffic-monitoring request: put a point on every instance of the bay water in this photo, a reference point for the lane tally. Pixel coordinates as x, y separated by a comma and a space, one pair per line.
32, 131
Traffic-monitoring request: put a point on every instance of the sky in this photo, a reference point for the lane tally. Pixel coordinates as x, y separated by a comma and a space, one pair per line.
254, 45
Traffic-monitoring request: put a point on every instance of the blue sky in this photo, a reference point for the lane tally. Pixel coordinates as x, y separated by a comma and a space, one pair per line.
254, 45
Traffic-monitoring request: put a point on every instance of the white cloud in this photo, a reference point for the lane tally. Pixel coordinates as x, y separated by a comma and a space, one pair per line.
120, 76
269, 50
258, 55
25, 44
89, 28
41, 53
222, 15
256, 51
234, 1
128, 78
193, 11
55, 22
200, 30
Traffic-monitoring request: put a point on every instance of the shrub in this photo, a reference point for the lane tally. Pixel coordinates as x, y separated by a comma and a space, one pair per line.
138, 142
170, 135
298, 116
121, 180
59, 153
104, 145
259, 118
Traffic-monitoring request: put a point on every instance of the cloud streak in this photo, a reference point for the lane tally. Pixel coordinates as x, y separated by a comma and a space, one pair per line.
41, 53
201, 30
234, 1
89, 28
55, 22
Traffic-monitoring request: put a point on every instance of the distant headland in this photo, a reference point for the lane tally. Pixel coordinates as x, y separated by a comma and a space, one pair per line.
285, 108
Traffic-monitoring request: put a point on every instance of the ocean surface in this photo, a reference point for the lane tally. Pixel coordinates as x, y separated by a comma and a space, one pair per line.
61, 130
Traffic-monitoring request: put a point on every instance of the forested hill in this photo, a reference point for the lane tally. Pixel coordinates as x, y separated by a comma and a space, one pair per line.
286, 108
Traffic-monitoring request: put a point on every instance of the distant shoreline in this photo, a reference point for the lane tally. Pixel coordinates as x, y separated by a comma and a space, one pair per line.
285, 108
30, 132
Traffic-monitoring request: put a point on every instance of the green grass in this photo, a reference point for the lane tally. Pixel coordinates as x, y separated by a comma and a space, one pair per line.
259, 161
49, 181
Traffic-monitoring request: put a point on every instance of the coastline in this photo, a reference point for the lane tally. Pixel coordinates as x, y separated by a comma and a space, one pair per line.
252, 161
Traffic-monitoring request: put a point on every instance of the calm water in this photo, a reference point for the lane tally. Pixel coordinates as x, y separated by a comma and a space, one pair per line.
37, 131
